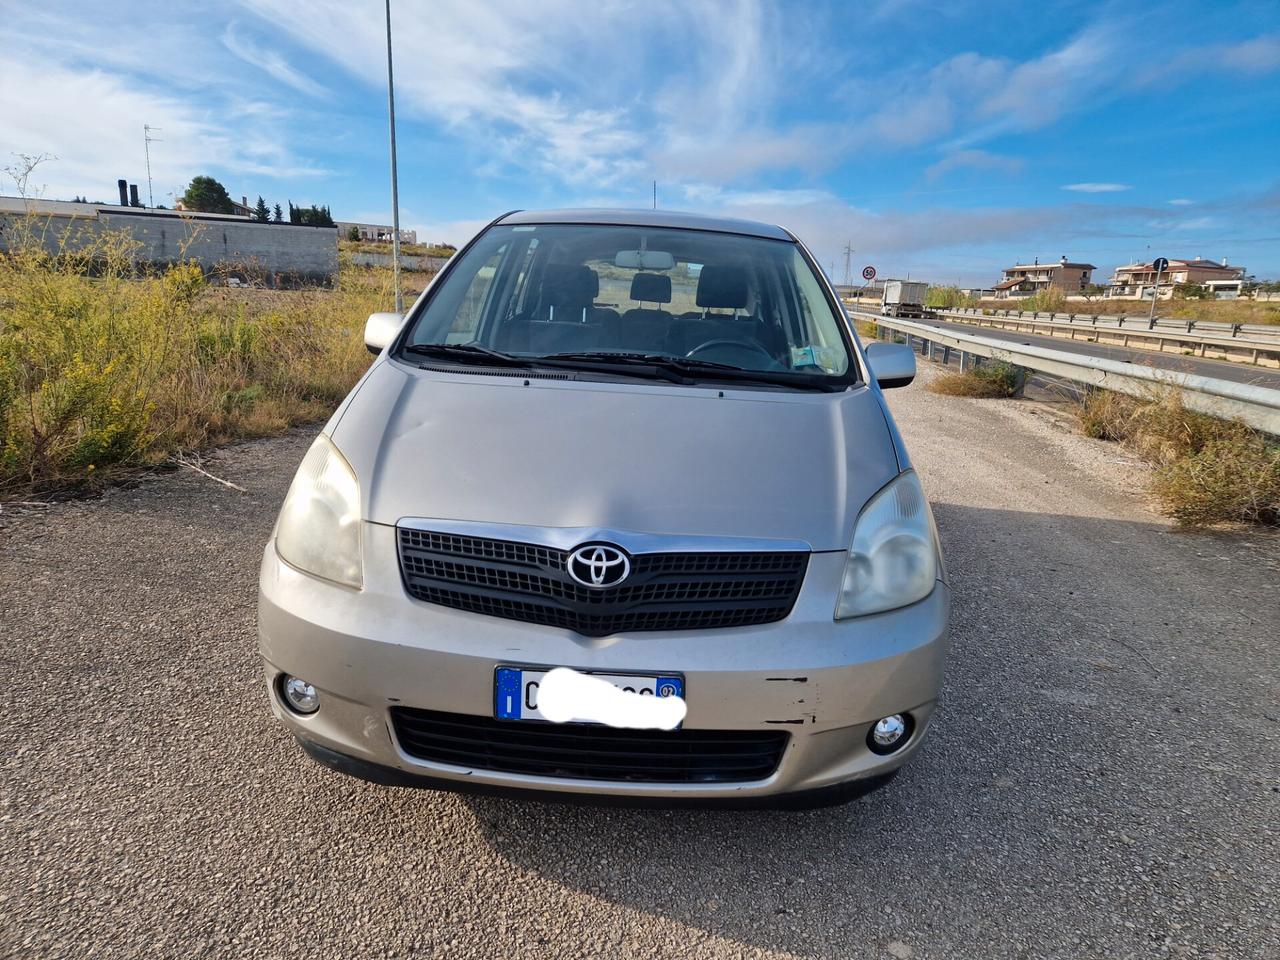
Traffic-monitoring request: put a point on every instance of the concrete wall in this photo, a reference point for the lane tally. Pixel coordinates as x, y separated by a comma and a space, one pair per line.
279, 253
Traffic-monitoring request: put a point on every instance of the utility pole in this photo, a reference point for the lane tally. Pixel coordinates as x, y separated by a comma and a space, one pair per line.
655, 194
147, 140
848, 253
395, 186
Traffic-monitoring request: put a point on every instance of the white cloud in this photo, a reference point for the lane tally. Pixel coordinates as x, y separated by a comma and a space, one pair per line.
1097, 187
92, 121
974, 160
1181, 202
259, 56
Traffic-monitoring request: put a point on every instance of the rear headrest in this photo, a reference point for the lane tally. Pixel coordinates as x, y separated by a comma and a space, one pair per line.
568, 285
722, 287
651, 288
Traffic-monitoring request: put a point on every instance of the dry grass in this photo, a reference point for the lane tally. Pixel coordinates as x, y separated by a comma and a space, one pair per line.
1219, 311
102, 371
991, 380
1206, 470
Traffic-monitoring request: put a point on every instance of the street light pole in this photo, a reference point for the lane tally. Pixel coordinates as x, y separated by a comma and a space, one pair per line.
395, 187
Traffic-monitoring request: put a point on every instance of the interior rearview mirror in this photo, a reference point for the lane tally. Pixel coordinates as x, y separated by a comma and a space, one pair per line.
892, 364
644, 260
380, 329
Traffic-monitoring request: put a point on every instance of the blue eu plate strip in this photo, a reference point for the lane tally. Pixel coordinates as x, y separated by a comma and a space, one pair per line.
508, 694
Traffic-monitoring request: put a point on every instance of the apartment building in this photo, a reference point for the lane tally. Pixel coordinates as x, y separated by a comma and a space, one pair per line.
1137, 281
1025, 279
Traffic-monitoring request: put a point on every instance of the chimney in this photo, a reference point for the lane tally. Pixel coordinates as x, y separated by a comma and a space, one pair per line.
1037, 263
1064, 259
133, 196
124, 192
244, 202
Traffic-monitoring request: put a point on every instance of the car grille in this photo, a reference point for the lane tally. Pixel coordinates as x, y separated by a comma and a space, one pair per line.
587, 752
664, 591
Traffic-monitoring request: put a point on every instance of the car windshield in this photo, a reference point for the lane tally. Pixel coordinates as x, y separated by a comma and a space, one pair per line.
689, 298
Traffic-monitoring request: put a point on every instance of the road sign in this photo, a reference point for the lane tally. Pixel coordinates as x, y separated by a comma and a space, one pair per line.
868, 273
1160, 265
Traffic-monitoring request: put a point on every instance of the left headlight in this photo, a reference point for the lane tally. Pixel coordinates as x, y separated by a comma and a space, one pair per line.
319, 527
893, 560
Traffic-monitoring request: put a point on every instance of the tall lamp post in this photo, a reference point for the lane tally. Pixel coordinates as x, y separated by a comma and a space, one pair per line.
395, 187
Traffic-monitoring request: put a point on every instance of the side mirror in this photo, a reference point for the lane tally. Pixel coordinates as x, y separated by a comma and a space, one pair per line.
380, 329
892, 364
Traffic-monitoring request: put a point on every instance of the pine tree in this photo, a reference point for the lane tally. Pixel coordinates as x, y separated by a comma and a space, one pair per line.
261, 213
279, 214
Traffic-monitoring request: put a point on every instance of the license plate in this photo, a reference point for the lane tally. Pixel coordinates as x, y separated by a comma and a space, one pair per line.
515, 689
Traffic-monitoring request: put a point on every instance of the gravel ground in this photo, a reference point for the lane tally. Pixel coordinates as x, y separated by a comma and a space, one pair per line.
1101, 782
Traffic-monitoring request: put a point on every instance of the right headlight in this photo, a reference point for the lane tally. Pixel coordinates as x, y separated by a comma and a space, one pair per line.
893, 560
319, 526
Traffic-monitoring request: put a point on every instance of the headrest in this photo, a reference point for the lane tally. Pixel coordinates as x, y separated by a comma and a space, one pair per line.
722, 287
651, 288
569, 285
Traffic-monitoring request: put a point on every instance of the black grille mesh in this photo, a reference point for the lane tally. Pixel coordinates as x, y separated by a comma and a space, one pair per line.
665, 591
586, 752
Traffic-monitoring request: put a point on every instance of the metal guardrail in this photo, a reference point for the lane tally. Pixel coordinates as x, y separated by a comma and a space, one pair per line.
1253, 331
1257, 406
1208, 343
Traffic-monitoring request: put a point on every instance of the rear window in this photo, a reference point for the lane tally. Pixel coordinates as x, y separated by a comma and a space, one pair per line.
547, 289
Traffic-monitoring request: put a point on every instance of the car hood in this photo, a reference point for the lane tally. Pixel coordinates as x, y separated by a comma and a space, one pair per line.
634, 456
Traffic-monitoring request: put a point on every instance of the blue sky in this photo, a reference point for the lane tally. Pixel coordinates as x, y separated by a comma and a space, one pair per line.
944, 140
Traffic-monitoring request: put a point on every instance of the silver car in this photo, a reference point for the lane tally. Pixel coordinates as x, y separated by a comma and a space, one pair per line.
618, 511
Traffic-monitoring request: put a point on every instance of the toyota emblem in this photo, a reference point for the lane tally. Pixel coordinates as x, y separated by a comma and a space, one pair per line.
597, 565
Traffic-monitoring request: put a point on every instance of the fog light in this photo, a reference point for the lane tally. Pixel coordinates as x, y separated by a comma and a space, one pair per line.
299, 695
889, 733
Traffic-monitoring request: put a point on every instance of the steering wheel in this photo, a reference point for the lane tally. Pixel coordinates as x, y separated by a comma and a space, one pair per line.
749, 354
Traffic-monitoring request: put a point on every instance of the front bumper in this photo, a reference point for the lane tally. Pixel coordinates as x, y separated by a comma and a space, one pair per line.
825, 682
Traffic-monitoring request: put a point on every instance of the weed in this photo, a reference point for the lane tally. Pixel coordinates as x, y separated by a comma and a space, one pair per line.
994, 379
104, 366
1206, 470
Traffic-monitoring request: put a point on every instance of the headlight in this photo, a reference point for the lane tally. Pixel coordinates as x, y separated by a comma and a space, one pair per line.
893, 560
319, 528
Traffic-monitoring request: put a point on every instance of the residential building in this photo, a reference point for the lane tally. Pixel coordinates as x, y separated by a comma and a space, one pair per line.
1025, 279
376, 232
1137, 281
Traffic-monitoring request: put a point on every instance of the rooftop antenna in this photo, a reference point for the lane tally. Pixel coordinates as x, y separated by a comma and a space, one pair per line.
395, 188
147, 141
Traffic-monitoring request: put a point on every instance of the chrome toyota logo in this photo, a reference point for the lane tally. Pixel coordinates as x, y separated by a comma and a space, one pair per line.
597, 565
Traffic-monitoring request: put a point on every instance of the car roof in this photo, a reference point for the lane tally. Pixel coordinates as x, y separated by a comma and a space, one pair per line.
649, 218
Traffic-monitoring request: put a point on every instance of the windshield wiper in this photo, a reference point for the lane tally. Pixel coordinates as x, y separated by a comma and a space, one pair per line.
466, 351
694, 366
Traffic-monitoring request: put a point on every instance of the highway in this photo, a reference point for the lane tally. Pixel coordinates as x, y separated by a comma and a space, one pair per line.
1222, 369
1101, 779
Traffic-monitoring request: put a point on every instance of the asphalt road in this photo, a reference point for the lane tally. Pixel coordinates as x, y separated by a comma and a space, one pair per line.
1101, 782
1169, 360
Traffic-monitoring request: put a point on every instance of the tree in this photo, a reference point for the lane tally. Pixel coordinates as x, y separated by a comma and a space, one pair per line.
295, 214
279, 214
353, 233
261, 212
207, 195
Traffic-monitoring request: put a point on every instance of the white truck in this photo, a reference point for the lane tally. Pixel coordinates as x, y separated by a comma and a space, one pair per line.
904, 298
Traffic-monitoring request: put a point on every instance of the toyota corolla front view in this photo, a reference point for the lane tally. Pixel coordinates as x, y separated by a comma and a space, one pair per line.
619, 511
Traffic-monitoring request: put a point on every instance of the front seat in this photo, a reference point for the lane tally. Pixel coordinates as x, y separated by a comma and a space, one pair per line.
721, 287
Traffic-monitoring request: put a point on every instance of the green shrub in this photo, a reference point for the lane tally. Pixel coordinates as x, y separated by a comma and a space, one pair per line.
103, 367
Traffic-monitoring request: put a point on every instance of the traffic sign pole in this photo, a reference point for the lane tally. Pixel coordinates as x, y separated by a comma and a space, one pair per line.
1161, 264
